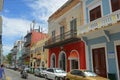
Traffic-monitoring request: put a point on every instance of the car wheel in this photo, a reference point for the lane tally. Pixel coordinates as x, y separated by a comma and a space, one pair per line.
57, 78
67, 79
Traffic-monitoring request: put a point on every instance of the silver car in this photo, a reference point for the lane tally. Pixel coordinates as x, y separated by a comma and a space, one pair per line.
55, 74
39, 72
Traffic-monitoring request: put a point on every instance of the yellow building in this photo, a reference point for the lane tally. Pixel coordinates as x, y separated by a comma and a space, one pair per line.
38, 55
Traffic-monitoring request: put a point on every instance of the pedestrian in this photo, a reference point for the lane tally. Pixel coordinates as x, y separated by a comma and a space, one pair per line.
2, 73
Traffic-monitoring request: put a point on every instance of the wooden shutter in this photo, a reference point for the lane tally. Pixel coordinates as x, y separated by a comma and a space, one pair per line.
95, 13
115, 5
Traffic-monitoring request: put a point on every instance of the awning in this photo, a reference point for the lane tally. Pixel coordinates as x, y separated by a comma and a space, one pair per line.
73, 55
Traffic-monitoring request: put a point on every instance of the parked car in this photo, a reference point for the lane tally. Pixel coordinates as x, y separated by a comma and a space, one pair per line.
55, 74
27, 69
77, 74
39, 72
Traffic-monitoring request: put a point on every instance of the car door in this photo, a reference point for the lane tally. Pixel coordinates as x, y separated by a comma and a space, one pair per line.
50, 73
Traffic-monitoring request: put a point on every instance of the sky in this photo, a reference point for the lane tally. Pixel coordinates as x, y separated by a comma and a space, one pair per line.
18, 15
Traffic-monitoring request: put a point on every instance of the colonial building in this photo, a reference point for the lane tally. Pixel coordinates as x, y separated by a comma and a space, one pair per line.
101, 34
1, 6
39, 55
66, 49
20, 44
31, 38
14, 55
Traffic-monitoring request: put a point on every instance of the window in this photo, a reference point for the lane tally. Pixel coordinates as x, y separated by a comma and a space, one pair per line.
50, 70
115, 5
43, 49
62, 32
73, 25
95, 13
53, 36
77, 72
74, 64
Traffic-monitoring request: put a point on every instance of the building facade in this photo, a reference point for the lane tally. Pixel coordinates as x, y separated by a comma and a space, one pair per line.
38, 55
20, 44
14, 55
1, 6
30, 39
101, 34
66, 49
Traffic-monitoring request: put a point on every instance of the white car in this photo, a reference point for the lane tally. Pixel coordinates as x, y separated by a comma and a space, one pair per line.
55, 74
39, 72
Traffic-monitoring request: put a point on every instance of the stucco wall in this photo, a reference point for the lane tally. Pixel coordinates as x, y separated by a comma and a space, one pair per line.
110, 50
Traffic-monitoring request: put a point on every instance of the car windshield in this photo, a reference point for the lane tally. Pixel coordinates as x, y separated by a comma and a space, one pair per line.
59, 71
87, 73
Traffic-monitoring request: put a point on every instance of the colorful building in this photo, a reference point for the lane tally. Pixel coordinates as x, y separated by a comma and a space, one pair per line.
101, 34
66, 49
38, 55
31, 38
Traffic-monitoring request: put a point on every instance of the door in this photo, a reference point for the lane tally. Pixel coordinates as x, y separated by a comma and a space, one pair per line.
99, 61
74, 64
118, 57
62, 62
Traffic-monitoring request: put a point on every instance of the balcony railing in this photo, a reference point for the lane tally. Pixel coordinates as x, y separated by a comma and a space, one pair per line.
100, 23
62, 39
26, 51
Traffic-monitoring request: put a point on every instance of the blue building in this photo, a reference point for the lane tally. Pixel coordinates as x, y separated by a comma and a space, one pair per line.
101, 34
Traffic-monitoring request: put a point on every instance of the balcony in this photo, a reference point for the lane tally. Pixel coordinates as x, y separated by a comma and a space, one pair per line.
27, 43
26, 52
103, 22
60, 40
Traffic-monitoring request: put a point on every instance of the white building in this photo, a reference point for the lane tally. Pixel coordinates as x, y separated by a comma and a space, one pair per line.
1, 5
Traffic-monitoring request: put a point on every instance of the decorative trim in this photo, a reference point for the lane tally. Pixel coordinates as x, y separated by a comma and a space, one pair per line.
115, 44
53, 54
107, 35
93, 5
75, 59
99, 46
62, 52
110, 6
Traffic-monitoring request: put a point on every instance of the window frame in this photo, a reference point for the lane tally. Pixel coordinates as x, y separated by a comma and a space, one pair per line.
93, 5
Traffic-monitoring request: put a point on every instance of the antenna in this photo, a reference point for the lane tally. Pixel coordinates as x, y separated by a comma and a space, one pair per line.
33, 24
39, 29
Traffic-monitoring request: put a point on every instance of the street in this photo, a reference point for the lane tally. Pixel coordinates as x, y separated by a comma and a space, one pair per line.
15, 75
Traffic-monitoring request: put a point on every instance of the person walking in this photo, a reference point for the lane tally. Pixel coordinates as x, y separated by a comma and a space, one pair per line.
2, 73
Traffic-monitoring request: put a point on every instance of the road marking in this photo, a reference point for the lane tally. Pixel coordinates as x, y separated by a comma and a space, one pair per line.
8, 78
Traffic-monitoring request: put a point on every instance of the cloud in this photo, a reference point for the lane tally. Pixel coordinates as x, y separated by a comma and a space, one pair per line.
42, 9
14, 26
7, 49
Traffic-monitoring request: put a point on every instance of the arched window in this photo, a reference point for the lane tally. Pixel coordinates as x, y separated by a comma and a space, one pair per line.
52, 61
62, 61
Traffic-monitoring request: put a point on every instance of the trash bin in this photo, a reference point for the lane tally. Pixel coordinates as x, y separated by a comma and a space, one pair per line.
112, 76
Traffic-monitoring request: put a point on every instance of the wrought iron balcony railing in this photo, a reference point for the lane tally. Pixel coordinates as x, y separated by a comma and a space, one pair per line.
100, 23
62, 39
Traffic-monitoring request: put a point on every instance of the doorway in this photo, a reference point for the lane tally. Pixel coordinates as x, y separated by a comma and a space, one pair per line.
99, 61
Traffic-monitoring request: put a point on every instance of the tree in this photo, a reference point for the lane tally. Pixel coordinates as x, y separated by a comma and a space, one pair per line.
9, 58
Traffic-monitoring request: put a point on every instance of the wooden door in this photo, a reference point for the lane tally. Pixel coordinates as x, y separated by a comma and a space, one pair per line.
118, 56
99, 61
